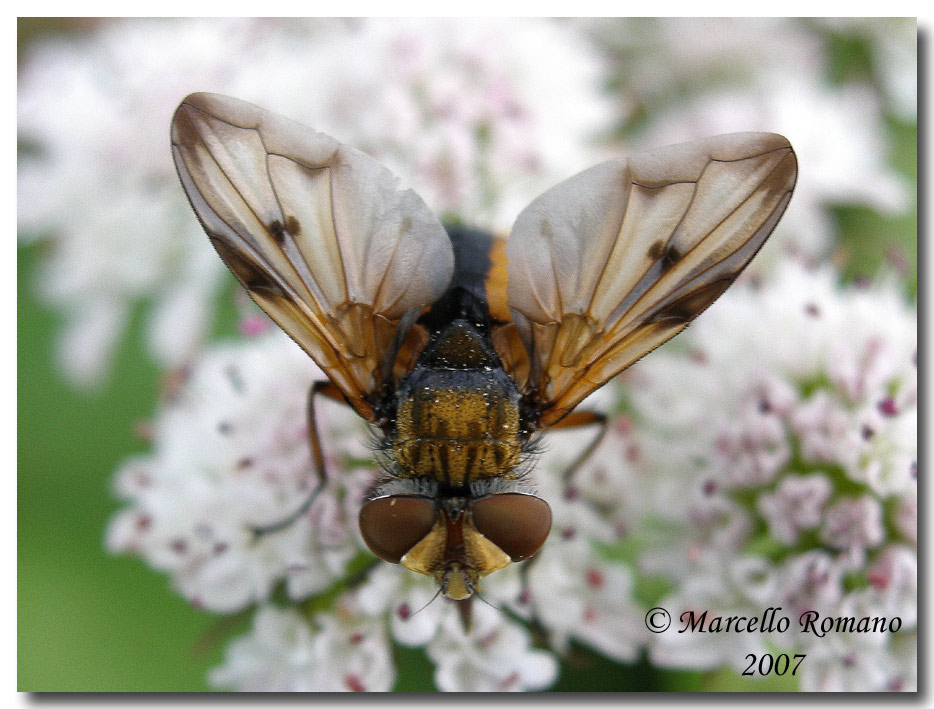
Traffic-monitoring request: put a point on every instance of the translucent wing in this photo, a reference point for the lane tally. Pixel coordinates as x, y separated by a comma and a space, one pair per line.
317, 232
619, 258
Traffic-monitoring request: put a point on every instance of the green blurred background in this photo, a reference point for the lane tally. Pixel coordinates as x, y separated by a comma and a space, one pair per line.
89, 621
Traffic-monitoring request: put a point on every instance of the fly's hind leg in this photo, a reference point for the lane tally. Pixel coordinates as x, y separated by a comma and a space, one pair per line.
324, 388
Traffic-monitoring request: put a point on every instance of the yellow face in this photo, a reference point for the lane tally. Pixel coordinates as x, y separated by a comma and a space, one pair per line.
456, 555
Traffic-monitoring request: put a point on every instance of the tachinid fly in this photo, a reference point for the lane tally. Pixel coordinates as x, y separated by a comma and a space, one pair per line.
459, 348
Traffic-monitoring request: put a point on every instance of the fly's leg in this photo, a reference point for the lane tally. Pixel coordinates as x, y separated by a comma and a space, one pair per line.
575, 419
325, 388
579, 419
527, 599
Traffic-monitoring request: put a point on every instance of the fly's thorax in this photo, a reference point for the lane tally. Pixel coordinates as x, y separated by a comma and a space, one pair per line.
457, 414
457, 426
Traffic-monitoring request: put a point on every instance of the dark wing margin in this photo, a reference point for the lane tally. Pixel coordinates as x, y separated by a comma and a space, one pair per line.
319, 234
613, 262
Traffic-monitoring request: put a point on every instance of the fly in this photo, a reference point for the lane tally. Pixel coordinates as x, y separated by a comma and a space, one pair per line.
456, 347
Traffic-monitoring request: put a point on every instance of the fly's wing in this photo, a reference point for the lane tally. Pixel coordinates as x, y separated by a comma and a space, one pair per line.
618, 259
318, 233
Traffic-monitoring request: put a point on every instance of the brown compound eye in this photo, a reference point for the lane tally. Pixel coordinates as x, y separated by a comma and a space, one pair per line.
392, 525
516, 523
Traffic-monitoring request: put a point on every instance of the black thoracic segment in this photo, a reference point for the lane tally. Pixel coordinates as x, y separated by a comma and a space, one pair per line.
466, 296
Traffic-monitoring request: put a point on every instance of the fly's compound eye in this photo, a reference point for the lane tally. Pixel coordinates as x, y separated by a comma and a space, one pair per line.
392, 525
516, 523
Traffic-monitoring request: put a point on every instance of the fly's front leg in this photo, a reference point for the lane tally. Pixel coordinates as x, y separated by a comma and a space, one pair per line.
576, 419
526, 597
327, 389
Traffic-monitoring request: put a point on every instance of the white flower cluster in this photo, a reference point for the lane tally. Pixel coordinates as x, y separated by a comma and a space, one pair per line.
343, 653
752, 471
773, 464
480, 116
230, 454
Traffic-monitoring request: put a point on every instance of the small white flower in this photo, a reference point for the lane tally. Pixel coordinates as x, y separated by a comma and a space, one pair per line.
834, 665
578, 596
493, 657
796, 506
354, 654
853, 523
411, 602
812, 581
825, 429
275, 656
284, 653
753, 450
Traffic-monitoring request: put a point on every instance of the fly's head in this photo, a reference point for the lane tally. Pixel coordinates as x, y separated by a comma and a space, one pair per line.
455, 539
